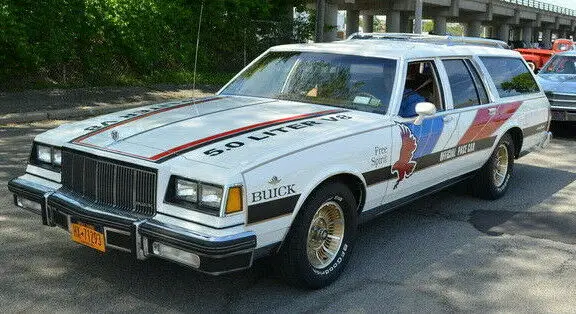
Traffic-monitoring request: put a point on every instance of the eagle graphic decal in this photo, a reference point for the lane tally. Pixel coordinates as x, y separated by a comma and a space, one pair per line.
405, 165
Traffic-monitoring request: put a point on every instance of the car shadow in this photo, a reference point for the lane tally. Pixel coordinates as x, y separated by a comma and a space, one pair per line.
563, 130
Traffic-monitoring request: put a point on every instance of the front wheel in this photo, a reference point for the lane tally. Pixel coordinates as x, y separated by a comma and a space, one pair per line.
494, 177
319, 244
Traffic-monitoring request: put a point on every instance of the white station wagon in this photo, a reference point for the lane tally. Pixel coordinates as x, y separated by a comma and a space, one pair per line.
301, 146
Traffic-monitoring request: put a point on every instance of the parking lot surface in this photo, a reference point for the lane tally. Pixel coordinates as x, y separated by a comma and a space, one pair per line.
448, 252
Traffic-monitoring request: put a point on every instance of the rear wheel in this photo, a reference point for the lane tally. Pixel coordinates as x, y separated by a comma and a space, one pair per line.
493, 178
319, 244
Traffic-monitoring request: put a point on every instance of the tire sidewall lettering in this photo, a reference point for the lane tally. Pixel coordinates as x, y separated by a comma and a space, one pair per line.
334, 265
343, 249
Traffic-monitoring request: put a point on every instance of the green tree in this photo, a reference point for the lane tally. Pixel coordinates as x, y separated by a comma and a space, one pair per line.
91, 42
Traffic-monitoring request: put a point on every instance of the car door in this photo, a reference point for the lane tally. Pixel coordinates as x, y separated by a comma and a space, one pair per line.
471, 100
415, 148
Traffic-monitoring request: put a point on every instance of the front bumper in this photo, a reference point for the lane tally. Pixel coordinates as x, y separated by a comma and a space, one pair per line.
563, 114
137, 235
545, 142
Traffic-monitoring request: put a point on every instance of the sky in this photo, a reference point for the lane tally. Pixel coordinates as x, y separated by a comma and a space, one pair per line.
570, 4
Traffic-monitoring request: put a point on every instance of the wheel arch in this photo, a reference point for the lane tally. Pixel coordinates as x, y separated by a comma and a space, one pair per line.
355, 181
518, 139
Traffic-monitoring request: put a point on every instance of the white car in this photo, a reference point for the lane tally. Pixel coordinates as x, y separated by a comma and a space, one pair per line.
301, 146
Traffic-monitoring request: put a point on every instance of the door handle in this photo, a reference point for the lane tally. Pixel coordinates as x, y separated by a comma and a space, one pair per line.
448, 118
492, 111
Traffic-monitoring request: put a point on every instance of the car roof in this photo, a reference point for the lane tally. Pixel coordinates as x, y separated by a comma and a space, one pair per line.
396, 49
446, 39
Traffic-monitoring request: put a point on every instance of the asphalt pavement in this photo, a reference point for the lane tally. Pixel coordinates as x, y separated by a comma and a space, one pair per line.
449, 252
49, 104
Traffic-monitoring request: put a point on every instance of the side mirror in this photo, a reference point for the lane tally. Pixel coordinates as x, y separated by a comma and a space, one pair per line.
424, 109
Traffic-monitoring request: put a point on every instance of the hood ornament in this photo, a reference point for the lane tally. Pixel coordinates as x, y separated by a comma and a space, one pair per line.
274, 180
115, 135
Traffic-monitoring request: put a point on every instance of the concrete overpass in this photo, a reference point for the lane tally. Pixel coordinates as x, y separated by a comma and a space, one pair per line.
508, 19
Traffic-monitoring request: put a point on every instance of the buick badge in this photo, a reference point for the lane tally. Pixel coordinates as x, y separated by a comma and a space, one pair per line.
115, 135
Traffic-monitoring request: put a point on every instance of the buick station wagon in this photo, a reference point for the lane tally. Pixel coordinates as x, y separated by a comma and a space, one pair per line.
305, 143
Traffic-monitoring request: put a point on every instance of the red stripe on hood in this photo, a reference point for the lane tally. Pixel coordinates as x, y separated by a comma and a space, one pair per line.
248, 128
83, 137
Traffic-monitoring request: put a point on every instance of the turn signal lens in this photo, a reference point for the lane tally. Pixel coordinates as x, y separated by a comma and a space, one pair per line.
234, 201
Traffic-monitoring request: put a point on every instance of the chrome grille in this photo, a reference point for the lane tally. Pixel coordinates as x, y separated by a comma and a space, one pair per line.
562, 100
110, 183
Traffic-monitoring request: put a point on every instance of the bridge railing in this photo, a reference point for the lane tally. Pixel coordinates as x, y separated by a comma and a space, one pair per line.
543, 6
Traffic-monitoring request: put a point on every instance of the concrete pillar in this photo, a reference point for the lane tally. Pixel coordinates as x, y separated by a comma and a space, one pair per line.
504, 32
330, 22
393, 22
352, 19
406, 23
417, 27
547, 37
474, 29
320, 9
527, 34
368, 23
440, 25
517, 33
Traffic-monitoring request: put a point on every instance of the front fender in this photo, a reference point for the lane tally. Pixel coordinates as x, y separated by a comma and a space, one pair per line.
322, 177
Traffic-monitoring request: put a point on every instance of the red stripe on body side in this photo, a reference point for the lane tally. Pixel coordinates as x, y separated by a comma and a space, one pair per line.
190, 145
484, 125
78, 140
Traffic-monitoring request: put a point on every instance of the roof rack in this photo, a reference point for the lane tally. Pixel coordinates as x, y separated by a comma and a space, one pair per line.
434, 39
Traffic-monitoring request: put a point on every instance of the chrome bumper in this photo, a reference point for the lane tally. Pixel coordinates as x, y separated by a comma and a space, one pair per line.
563, 113
546, 140
138, 235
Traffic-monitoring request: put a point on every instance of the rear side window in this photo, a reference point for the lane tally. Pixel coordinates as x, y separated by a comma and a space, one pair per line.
479, 85
464, 93
510, 75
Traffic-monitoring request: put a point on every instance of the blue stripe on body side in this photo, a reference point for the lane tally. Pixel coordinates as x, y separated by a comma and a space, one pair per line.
427, 135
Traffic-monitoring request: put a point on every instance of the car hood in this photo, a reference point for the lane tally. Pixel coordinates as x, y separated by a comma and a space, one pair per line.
227, 131
560, 83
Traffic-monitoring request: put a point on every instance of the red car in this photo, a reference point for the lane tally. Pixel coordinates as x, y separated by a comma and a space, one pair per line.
537, 57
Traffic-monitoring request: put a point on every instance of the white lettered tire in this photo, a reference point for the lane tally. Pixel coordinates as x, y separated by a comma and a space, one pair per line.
320, 241
493, 178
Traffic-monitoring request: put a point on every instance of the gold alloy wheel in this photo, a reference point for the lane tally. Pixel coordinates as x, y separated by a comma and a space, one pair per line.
325, 235
501, 167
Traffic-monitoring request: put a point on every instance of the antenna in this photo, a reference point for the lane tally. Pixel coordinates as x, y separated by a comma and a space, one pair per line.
196, 56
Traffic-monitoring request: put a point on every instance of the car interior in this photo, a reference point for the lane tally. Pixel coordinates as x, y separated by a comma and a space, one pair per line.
422, 81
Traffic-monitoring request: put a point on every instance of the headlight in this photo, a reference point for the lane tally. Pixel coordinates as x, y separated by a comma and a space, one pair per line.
187, 190
44, 154
196, 195
57, 156
211, 196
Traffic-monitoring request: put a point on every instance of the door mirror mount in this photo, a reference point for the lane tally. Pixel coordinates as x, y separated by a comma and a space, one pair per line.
424, 109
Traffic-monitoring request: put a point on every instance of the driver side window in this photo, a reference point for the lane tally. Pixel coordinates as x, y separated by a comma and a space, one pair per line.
421, 85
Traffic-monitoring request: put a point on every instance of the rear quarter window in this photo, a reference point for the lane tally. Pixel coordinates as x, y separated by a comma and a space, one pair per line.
510, 75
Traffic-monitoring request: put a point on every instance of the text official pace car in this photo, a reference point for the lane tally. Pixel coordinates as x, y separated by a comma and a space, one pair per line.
300, 147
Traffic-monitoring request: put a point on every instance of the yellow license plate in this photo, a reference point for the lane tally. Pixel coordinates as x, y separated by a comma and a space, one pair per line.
87, 235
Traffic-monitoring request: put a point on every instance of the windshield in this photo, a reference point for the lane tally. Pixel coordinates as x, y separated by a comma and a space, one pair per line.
560, 65
354, 82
